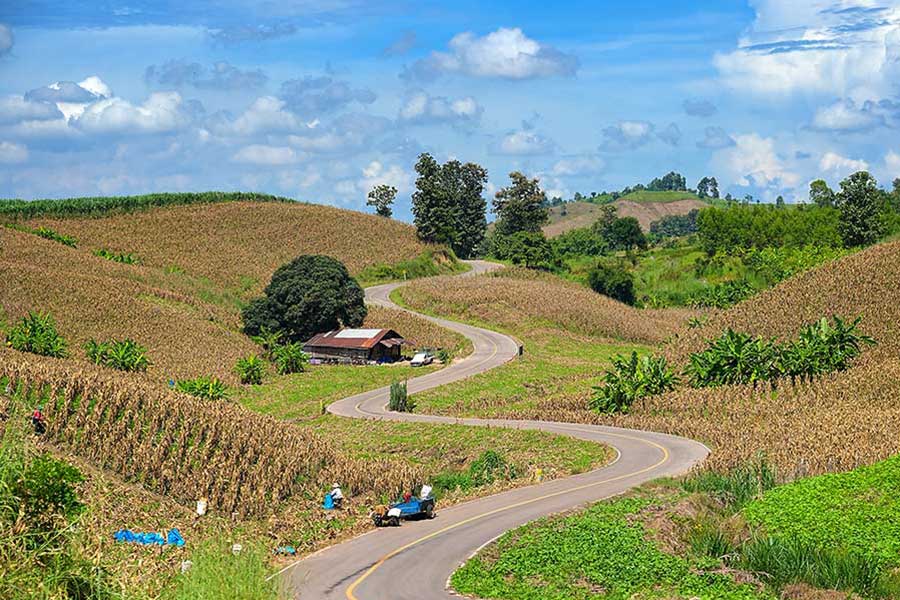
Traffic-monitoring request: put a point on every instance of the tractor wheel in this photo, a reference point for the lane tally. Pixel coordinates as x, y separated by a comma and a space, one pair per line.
395, 521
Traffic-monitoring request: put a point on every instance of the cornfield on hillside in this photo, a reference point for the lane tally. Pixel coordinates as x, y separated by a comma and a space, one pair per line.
94, 298
186, 448
514, 296
240, 244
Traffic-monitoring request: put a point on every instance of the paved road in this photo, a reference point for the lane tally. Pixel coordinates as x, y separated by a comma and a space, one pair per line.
414, 562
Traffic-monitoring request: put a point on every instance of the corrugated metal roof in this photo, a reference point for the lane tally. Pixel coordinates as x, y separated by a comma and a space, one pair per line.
335, 339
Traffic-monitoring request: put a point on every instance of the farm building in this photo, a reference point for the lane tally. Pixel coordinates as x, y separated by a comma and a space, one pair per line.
355, 345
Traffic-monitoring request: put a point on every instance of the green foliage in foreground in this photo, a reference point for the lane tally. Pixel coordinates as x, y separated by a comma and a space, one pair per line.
400, 400
36, 333
47, 234
101, 206
126, 258
206, 387
250, 369
38, 506
738, 358
124, 355
217, 573
737, 487
490, 466
290, 358
602, 548
630, 379
856, 511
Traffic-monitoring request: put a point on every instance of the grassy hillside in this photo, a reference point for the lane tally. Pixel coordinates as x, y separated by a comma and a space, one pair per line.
645, 206
835, 423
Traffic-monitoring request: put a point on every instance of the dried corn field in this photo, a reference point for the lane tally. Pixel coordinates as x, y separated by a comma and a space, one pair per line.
836, 423
185, 448
233, 243
94, 298
513, 297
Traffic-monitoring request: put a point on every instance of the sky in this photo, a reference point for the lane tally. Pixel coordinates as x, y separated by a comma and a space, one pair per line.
322, 100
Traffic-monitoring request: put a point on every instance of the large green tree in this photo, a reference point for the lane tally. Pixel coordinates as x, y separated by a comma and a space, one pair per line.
521, 207
860, 206
448, 205
309, 295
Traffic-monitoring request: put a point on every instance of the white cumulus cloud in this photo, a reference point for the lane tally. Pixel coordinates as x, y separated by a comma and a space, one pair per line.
506, 53
840, 166
524, 142
420, 107
161, 112
752, 160
578, 165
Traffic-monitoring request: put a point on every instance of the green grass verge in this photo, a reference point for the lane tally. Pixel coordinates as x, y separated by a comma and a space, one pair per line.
856, 511
601, 552
664, 196
217, 573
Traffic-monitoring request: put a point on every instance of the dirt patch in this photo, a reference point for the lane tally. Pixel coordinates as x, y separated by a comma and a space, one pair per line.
647, 212
664, 523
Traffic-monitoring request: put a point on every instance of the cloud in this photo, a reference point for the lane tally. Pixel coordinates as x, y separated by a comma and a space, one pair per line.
11, 153
62, 91
420, 107
576, 166
627, 135
258, 154
752, 160
845, 115
252, 33
814, 47
699, 108
504, 54
266, 114
6, 39
220, 76
315, 95
14, 109
161, 112
401, 45
892, 163
839, 166
670, 135
375, 173
715, 139
523, 143
345, 134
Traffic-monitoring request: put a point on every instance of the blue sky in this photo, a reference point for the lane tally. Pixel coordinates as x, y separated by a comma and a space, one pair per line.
321, 100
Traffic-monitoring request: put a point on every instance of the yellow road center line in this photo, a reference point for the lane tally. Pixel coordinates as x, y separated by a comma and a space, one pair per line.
350, 590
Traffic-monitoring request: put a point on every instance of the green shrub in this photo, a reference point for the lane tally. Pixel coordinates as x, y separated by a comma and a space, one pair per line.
737, 487
290, 358
612, 280
489, 467
630, 379
734, 358
36, 333
47, 234
528, 249
206, 387
127, 258
723, 295
400, 400
250, 370
124, 355
268, 340
823, 347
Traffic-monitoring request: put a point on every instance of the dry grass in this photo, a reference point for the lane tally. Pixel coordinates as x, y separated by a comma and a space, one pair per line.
513, 297
184, 448
234, 243
421, 332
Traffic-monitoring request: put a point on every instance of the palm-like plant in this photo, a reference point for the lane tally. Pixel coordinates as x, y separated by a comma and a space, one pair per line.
268, 340
290, 358
36, 333
631, 379
250, 369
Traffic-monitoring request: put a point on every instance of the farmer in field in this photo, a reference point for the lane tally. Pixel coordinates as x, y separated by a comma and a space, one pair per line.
39, 421
337, 496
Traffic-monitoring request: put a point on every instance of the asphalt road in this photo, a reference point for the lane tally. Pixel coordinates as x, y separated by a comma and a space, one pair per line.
415, 561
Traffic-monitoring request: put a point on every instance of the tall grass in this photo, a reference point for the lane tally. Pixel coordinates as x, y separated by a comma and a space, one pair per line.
217, 573
737, 487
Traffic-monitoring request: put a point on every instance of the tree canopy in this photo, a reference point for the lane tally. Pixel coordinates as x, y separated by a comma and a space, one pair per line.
858, 201
309, 295
448, 206
521, 207
382, 197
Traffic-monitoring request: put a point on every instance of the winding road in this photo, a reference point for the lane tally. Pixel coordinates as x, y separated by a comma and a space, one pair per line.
415, 561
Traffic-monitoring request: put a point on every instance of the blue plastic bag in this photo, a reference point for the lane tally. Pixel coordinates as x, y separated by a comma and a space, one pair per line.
328, 503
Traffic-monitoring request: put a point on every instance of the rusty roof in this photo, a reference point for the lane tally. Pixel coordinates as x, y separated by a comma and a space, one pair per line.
352, 338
